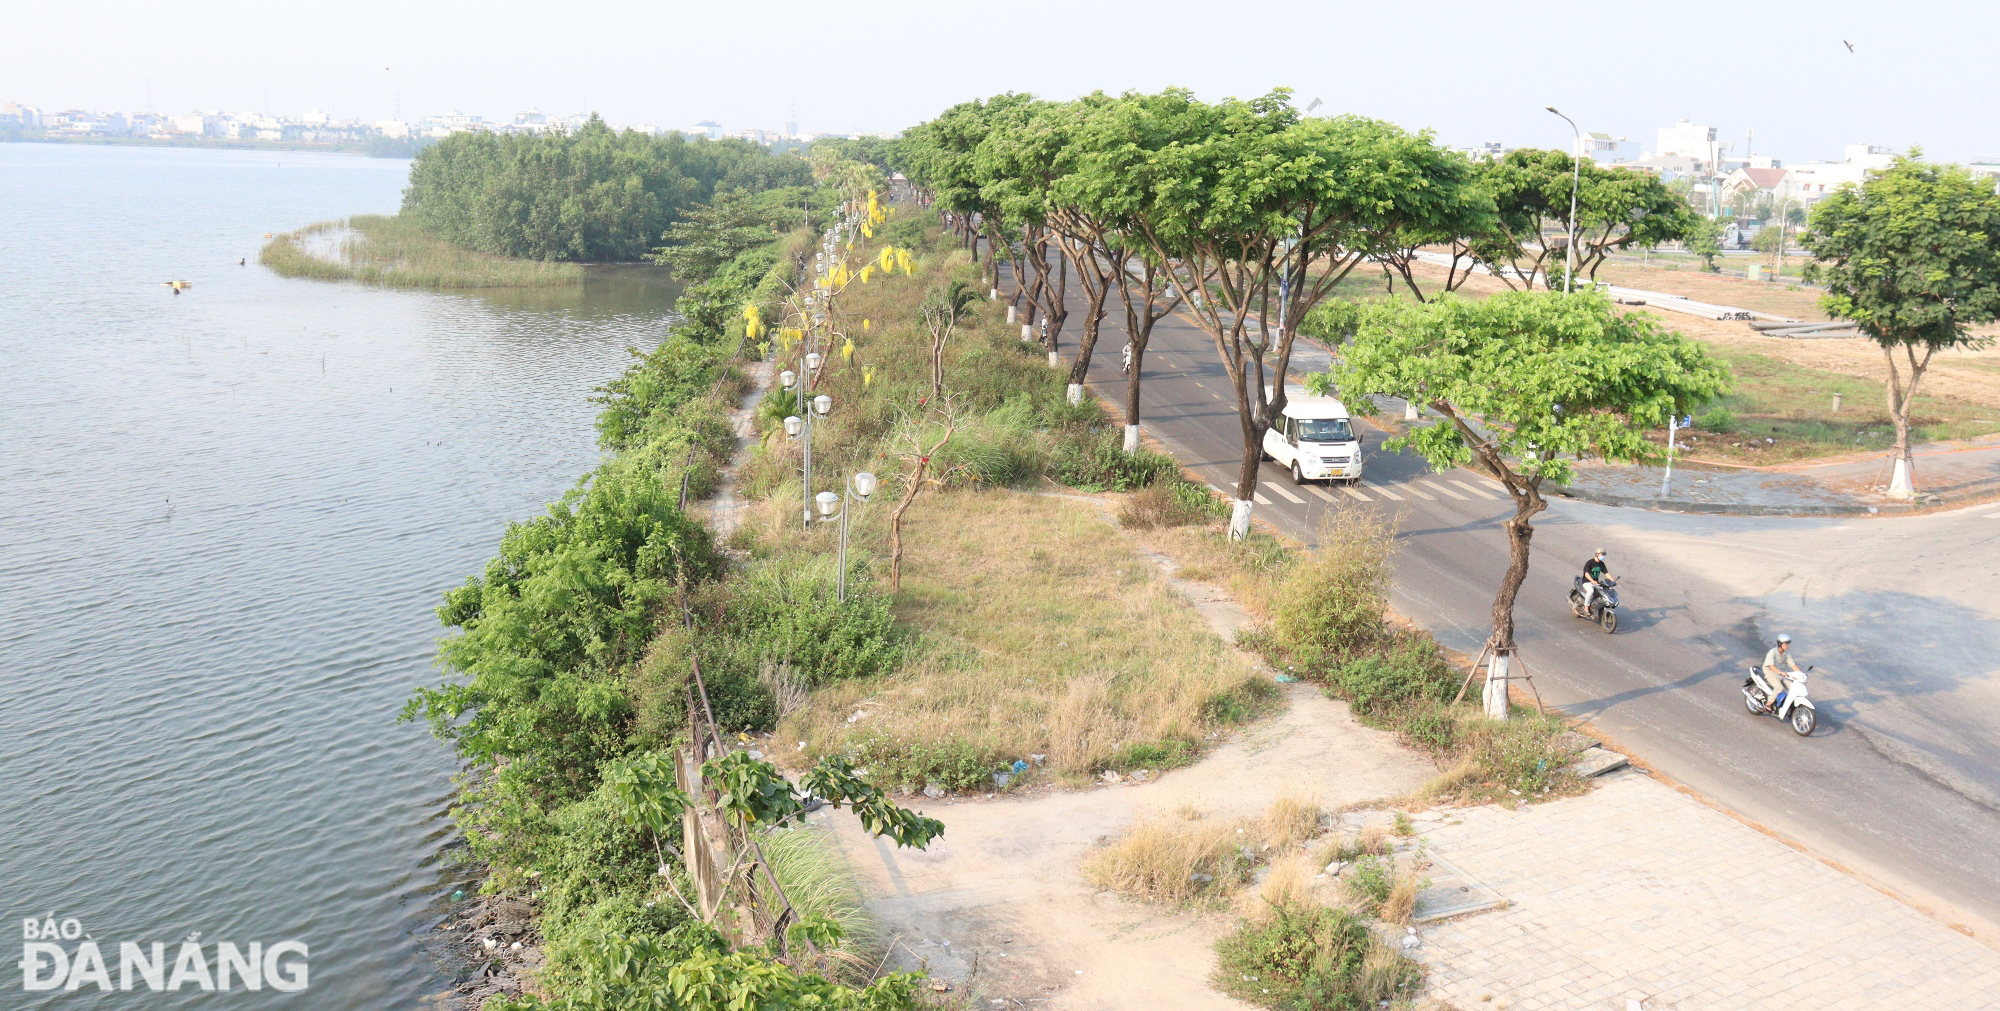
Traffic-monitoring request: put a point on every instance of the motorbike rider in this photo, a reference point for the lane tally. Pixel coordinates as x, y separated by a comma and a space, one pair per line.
1595, 571
1771, 677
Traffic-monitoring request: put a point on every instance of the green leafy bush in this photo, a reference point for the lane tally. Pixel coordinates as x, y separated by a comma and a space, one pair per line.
1334, 598
951, 764
1310, 958
1097, 461
1408, 669
785, 612
1720, 420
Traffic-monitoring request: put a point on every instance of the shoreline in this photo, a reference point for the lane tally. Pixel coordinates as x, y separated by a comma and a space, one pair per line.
392, 252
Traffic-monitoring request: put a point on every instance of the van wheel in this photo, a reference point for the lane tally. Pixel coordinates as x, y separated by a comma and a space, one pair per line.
1298, 479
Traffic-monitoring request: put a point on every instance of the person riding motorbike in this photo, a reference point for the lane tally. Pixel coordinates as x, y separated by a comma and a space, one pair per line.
1770, 676
1595, 571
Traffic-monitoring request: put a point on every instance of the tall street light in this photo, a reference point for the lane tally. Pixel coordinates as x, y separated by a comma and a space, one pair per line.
1575, 170
859, 486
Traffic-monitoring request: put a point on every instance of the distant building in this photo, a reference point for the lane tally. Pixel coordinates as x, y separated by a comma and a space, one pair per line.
1815, 179
706, 128
1602, 148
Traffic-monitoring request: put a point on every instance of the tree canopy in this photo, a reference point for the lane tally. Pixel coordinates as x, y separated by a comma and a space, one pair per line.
1615, 209
1525, 383
595, 194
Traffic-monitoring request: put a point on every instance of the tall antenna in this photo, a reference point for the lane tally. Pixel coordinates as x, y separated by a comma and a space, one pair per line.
792, 124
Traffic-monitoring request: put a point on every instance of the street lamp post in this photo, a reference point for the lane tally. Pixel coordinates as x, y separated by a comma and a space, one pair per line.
859, 487
1575, 175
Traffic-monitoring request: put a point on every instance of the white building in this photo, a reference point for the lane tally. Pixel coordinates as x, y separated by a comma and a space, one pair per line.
1815, 179
706, 128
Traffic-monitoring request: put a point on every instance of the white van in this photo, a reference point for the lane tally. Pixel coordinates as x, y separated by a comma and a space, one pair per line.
1316, 440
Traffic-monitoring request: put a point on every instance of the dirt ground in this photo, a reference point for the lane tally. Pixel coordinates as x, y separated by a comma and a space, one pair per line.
999, 906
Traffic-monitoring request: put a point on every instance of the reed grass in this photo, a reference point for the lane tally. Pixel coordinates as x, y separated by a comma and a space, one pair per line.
395, 252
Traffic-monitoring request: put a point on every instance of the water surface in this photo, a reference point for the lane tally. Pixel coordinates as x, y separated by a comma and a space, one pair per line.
226, 517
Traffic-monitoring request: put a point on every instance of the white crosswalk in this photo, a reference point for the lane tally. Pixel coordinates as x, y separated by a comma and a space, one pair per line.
1349, 489
1438, 486
1279, 490
1476, 490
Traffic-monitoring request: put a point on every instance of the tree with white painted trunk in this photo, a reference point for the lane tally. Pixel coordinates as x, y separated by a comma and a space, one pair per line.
1261, 213
1523, 383
1913, 257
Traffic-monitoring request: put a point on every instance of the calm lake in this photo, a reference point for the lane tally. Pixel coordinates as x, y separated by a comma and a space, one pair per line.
226, 517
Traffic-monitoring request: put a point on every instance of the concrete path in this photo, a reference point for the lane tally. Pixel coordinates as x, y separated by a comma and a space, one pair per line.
1638, 892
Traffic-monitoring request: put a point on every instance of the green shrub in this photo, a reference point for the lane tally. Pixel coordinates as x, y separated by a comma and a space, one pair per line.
1240, 704
1720, 420
1408, 669
952, 763
1433, 727
1333, 600
1311, 958
785, 612
1097, 461
1155, 755
1369, 881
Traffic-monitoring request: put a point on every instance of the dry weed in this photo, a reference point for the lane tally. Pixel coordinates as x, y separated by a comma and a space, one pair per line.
1402, 900
1290, 820
1178, 861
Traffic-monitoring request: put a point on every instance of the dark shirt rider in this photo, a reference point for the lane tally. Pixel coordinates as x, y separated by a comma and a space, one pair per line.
1595, 572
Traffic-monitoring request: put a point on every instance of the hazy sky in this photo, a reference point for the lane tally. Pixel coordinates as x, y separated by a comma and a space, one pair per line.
1921, 72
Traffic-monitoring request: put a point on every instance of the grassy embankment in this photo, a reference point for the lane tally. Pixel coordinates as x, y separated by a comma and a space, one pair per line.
393, 251
1033, 628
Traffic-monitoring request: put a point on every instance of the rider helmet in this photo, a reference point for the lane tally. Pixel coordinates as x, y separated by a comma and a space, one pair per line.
1783, 638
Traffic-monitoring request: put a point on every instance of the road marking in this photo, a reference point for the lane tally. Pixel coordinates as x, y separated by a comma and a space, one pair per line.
1258, 497
1476, 490
1379, 490
1439, 486
1412, 488
1991, 516
1217, 396
1287, 496
1321, 492
1348, 488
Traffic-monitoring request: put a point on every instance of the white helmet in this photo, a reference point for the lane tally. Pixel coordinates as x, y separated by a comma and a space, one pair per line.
1783, 638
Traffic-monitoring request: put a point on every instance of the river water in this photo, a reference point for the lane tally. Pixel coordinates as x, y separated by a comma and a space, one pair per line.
226, 517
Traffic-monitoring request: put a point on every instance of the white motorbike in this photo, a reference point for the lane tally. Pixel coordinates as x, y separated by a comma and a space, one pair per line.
1796, 709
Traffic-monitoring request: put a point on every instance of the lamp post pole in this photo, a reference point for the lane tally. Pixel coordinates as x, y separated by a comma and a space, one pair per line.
1575, 175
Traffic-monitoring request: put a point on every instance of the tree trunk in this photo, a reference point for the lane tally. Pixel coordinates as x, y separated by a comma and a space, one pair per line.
1520, 533
896, 517
1093, 323
1902, 482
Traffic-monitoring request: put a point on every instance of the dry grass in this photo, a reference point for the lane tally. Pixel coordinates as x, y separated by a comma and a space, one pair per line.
1402, 900
1291, 820
1178, 861
1190, 858
1044, 633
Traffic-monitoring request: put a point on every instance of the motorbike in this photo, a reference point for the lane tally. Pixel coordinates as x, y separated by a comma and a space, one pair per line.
1796, 709
1603, 607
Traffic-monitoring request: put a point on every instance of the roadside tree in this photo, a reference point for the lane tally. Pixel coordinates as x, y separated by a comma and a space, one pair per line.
1524, 383
1615, 210
1261, 213
1913, 257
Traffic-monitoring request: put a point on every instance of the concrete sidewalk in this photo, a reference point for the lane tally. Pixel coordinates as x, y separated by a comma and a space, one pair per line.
1947, 473
1636, 891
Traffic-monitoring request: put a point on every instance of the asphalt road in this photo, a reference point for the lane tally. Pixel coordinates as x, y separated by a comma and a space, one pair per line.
1901, 783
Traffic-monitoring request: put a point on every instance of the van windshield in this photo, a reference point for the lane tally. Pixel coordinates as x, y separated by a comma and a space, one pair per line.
1324, 430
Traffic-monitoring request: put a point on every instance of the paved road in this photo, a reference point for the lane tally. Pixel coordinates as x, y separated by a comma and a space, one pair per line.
1902, 781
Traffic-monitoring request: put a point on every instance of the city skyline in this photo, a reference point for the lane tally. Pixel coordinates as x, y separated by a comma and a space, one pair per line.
1471, 72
